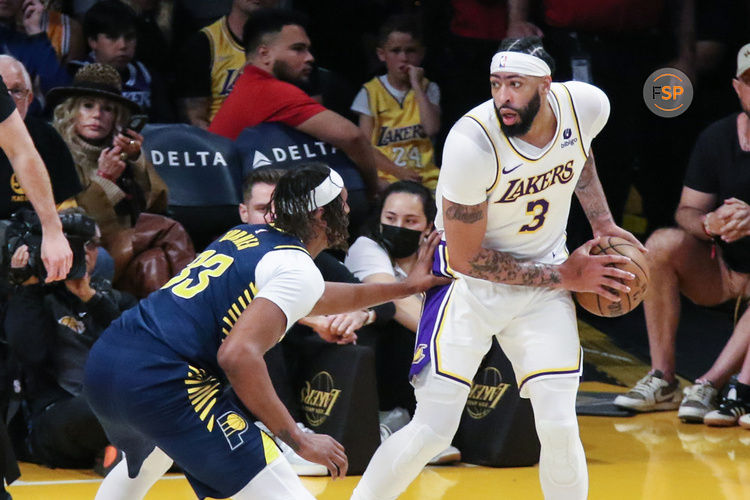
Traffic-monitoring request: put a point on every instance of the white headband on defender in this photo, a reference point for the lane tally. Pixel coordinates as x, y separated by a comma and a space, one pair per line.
326, 191
517, 62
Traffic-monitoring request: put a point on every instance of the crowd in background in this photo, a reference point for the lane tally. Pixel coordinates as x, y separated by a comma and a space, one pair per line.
383, 81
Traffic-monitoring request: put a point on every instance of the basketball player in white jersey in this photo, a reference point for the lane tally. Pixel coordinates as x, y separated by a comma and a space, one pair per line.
510, 168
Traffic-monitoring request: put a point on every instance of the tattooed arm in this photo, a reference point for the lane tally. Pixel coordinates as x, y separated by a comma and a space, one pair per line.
465, 227
591, 195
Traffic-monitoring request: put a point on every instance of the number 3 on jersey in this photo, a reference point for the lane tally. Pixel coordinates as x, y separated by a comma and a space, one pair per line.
213, 265
537, 208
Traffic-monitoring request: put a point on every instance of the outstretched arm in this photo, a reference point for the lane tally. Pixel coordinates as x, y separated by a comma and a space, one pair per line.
258, 329
343, 297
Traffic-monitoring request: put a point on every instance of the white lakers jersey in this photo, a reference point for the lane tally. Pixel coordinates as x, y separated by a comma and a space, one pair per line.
528, 189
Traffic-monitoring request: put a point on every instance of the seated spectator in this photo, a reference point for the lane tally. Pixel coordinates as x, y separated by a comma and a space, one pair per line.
278, 55
706, 258
400, 110
109, 27
33, 18
51, 147
50, 329
386, 255
119, 183
211, 61
27, 41
53, 151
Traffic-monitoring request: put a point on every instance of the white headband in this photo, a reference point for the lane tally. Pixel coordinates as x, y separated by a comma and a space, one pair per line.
517, 62
326, 191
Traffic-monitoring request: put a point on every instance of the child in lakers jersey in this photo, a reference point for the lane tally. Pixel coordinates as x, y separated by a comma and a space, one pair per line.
400, 111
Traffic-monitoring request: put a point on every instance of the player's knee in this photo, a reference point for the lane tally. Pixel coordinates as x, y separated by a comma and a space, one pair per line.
424, 444
562, 453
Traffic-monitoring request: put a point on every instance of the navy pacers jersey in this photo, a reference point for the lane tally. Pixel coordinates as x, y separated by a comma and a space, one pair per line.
196, 309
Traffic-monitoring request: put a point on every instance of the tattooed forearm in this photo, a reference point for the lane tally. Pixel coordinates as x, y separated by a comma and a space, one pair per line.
464, 213
595, 212
588, 175
591, 195
286, 436
500, 267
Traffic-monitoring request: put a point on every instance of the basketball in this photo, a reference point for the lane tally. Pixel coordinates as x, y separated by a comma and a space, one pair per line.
595, 303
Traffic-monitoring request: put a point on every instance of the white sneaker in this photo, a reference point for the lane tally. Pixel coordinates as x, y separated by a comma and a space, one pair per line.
651, 393
699, 399
744, 421
447, 456
301, 466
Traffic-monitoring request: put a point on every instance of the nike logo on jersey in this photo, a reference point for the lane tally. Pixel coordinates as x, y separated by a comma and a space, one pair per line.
509, 170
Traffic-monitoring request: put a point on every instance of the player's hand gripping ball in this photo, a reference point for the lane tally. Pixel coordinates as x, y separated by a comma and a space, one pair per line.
638, 265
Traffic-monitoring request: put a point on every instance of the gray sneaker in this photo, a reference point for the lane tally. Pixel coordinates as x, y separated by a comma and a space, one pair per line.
391, 421
651, 393
698, 400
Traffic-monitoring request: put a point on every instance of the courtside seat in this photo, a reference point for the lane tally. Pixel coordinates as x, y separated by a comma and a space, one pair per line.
204, 175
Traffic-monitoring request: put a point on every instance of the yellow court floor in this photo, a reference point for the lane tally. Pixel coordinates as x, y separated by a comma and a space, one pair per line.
649, 456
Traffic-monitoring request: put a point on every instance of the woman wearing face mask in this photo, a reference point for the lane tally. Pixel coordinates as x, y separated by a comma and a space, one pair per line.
385, 254
389, 250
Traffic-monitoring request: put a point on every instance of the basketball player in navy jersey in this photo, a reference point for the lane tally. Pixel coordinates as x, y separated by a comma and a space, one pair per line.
156, 378
510, 168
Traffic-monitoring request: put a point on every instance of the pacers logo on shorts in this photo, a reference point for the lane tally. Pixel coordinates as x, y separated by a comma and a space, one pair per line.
318, 398
486, 391
233, 426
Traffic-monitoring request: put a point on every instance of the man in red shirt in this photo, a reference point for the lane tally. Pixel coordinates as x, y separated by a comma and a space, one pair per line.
278, 51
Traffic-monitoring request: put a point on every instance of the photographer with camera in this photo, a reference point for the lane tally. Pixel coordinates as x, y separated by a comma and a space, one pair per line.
31, 176
50, 330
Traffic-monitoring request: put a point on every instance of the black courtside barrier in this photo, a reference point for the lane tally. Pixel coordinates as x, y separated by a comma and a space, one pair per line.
497, 426
338, 397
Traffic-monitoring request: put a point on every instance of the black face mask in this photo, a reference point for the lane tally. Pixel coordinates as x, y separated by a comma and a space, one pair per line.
399, 241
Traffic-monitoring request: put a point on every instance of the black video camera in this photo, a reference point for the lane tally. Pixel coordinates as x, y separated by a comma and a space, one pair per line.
24, 228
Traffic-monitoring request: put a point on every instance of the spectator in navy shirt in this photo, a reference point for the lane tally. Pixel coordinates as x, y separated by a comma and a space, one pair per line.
109, 27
